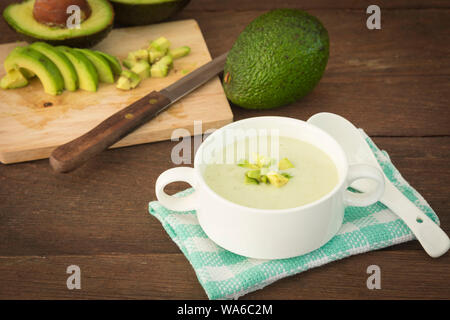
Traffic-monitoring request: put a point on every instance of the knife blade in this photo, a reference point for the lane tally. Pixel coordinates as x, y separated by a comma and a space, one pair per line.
73, 154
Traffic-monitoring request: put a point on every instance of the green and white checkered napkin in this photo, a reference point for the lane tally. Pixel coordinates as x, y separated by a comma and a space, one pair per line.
225, 275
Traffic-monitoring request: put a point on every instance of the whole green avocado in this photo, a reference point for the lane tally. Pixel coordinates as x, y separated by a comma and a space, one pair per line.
278, 58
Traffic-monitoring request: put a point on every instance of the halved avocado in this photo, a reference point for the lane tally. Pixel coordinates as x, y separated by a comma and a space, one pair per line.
141, 12
104, 71
61, 61
113, 63
87, 74
92, 30
36, 62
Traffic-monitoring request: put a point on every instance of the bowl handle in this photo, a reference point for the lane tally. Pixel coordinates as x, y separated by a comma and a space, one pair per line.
364, 171
184, 174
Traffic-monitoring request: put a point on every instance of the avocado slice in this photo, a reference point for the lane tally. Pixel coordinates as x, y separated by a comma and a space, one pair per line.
104, 71
128, 80
113, 63
179, 52
19, 17
27, 73
142, 12
13, 79
61, 61
36, 62
292, 52
87, 74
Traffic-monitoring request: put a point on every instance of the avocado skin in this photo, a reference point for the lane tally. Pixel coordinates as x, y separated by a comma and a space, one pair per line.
128, 14
76, 42
278, 58
82, 41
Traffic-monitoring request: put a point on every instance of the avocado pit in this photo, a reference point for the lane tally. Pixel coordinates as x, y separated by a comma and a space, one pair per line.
54, 12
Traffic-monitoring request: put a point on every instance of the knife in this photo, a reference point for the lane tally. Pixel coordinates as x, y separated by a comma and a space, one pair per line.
73, 154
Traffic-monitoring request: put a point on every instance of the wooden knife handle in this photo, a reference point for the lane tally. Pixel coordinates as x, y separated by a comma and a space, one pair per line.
73, 154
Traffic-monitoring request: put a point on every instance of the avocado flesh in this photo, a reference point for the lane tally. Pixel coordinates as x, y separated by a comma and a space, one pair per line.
287, 50
27, 73
161, 68
20, 17
61, 61
154, 55
39, 64
113, 62
128, 80
87, 74
142, 12
161, 44
179, 52
13, 79
142, 69
104, 71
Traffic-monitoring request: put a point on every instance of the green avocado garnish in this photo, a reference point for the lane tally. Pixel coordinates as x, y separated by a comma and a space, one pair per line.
285, 164
262, 171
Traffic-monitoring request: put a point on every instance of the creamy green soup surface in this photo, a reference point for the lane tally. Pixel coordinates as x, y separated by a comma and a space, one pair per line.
313, 176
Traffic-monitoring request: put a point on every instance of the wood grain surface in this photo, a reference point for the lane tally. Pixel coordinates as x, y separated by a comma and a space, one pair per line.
392, 82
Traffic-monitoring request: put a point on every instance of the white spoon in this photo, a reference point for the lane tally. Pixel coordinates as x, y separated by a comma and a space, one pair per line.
432, 238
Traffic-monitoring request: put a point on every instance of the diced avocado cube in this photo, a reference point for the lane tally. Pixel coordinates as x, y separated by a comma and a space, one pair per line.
277, 179
250, 180
161, 68
254, 174
128, 80
142, 68
285, 164
134, 57
159, 71
167, 60
154, 55
264, 179
13, 79
286, 175
137, 55
160, 44
180, 52
123, 83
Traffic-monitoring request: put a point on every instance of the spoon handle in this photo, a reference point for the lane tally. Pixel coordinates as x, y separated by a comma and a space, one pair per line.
432, 238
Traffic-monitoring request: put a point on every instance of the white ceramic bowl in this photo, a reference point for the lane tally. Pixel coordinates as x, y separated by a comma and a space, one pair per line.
270, 234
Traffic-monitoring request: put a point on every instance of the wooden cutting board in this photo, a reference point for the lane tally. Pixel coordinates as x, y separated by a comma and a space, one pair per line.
30, 129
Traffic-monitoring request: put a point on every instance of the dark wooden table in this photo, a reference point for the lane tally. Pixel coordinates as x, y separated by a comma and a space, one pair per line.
392, 82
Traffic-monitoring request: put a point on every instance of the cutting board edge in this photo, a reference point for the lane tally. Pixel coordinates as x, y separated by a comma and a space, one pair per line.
12, 157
